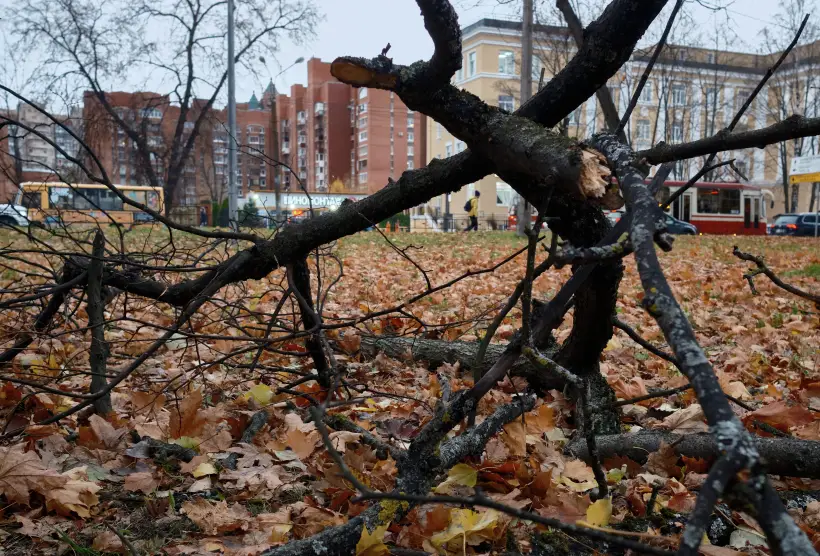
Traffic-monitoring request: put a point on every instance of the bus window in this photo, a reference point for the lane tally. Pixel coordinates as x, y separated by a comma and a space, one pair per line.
137, 197
32, 200
153, 200
85, 199
108, 200
60, 198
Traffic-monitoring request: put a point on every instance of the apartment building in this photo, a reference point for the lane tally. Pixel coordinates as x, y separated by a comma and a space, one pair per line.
336, 138
27, 151
692, 93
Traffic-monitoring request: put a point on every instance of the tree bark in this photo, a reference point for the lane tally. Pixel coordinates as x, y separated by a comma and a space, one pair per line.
96, 322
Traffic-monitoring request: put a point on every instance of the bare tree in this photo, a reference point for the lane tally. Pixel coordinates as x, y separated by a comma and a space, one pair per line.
793, 91
180, 44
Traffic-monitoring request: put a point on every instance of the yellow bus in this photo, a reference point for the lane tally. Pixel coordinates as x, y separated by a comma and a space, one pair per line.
51, 202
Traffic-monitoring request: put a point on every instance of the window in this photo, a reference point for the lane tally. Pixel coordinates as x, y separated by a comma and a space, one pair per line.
677, 131
410, 137
362, 136
32, 199
409, 163
448, 149
536, 70
681, 55
504, 194
646, 92
642, 128
363, 92
411, 120
678, 94
438, 130
719, 201
710, 57
471, 64
152, 113
711, 99
362, 177
574, 117
362, 165
506, 63
742, 168
741, 97
363, 108
363, 150
362, 122
410, 150
460, 72
506, 102
459, 146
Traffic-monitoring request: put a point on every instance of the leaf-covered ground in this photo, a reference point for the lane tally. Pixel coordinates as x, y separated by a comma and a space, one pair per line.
94, 485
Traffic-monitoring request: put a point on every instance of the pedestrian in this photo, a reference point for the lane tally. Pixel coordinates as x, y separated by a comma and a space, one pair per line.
473, 212
203, 217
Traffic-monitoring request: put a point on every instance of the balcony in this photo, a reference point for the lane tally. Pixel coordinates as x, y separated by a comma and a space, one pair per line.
319, 108
301, 119
285, 148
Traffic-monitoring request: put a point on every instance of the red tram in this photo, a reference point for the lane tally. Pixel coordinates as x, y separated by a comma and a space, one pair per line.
720, 208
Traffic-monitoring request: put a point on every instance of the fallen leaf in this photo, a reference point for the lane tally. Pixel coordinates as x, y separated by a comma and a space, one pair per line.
141, 481
74, 496
600, 512
460, 474
107, 541
372, 544
515, 437
781, 415
203, 469
216, 517
466, 527
23, 472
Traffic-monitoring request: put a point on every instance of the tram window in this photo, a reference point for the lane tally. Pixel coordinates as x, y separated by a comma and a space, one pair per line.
719, 201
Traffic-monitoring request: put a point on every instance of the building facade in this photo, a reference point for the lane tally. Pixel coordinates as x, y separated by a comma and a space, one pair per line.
692, 93
335, 138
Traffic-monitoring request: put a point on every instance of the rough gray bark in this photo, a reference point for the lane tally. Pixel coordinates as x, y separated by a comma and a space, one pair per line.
98, 353
438, 352
782, 456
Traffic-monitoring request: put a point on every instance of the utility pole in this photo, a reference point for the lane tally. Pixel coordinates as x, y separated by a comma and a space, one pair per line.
233, 215
523, 208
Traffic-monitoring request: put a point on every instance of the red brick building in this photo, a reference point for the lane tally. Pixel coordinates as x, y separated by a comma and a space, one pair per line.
337, 138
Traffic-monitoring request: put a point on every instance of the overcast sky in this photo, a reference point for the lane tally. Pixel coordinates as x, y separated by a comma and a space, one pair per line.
364, 27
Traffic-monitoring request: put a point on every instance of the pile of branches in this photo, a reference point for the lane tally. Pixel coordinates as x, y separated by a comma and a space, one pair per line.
196, 281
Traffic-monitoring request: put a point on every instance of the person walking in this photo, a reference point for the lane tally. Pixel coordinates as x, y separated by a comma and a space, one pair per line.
203, 217
473, 212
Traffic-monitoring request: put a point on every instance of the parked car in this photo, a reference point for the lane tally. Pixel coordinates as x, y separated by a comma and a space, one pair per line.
796, 224
675, 226
13, 215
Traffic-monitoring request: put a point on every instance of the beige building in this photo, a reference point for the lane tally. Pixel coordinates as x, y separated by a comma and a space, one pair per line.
692, 93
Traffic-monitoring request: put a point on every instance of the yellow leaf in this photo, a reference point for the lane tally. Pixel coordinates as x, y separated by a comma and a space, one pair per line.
613, 343
460, 474
186, 442
600, 512
204, 469
372, 544
466, 527
615, 475
261, 394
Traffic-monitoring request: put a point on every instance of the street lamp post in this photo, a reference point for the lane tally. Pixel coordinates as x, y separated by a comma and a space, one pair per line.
232, 144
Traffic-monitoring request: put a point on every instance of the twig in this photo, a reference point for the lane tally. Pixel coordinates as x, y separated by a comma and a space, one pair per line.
763, 268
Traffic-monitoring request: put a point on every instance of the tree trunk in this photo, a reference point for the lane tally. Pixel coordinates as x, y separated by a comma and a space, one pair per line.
96, 322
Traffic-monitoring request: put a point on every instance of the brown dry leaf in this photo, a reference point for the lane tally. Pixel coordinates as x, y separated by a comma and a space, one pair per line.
781, 415
634, 388
515, 437
23, 472
142, 481
105, 431
541, 420
688, 420
76, 496
185, 418
108, 542
664, 462
216, 517
712, 550
302, 443
578, 471
146, 402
